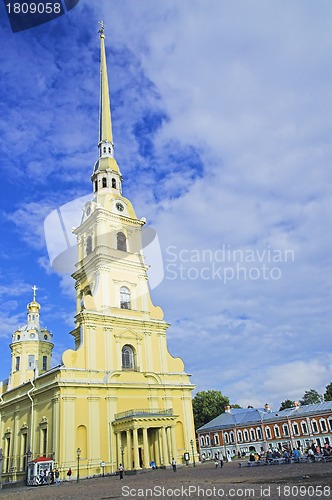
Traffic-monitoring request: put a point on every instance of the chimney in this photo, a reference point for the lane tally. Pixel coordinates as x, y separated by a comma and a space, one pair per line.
227, 409
267, 407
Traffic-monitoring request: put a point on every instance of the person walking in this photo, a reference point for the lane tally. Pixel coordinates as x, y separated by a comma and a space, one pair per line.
57, 477
69, 473
221, 459
174, 464
121, 471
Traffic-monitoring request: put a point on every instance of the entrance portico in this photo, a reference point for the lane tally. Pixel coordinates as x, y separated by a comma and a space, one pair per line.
145, 436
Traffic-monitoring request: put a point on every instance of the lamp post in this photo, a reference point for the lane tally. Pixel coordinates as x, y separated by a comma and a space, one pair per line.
1, 458
192, 449
78, 453
102, 465
122, 453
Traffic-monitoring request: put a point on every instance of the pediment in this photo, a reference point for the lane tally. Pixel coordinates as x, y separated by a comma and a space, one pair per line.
128, 334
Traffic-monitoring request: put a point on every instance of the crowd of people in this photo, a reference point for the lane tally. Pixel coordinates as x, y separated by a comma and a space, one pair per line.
312, 453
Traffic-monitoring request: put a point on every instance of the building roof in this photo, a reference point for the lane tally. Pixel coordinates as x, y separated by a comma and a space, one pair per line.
243, 416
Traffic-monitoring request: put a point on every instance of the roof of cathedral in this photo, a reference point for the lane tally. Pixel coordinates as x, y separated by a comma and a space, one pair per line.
243, 416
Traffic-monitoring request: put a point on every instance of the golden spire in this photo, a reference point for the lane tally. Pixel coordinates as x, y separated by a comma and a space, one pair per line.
105, 125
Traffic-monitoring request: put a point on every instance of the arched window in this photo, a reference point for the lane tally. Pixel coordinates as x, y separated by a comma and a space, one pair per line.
268, 432
104, 149
128, 357
285, 430
125, 298
304, 427
322, 424
110, 150
276, 431
330, 423
202, 440
231, 437
295, 428
96, 185
113, 183
88, 245
121, 242
207, 441
104, 182
239, 436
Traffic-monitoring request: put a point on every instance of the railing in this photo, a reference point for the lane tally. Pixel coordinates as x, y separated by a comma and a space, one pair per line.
144, 412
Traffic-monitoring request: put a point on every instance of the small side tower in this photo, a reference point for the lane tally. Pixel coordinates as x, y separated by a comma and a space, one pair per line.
31, 347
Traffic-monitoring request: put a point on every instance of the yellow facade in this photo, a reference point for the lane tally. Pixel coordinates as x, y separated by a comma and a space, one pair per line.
119, 396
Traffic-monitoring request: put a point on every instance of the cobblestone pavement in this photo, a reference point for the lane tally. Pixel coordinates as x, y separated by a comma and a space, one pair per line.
293, 481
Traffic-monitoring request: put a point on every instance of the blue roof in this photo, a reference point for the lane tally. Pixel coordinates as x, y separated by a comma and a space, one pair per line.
243, 416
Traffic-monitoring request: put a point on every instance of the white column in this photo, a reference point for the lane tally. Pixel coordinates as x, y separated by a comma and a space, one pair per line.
164, 441
129, 450
146, 448
136, 455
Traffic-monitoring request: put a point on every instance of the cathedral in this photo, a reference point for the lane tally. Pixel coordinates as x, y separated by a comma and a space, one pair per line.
118, 396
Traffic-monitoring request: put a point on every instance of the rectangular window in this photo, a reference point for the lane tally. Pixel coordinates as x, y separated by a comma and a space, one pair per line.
285, 430
259, 433
322, 425
44, 363
276, 432
268, 433
216, 439
246, 435
17, 363
314, 426
7, 454
44, 431
31, 361
24, 450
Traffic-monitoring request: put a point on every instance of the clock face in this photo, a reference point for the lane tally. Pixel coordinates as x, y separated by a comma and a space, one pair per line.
32, 335
119, 206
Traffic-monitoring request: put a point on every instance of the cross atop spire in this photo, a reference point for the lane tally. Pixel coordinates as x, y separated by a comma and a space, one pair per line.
34, 288
102, 28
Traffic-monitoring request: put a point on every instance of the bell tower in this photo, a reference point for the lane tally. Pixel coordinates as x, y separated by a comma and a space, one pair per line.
31, 347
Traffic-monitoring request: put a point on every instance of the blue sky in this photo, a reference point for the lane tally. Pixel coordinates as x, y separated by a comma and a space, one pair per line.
222, 128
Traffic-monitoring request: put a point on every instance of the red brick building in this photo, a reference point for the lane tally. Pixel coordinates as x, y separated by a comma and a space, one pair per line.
259, 429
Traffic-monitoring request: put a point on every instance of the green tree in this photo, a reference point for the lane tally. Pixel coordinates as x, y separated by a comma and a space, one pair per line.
288, 403
311, 397
208, 405
328, 392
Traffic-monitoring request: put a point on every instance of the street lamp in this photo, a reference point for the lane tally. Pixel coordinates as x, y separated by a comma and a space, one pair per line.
122, 453
1, 458
192, 449
78, 453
